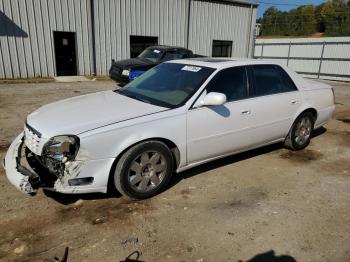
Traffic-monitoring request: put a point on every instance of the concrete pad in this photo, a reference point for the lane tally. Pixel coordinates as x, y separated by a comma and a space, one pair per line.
72, 79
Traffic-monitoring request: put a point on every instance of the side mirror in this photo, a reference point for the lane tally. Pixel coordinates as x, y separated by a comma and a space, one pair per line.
214, 99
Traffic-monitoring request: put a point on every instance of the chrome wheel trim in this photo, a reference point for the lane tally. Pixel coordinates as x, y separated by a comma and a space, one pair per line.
303, 130
147, 171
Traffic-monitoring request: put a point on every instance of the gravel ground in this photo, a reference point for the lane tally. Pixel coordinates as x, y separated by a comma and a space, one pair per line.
270, 201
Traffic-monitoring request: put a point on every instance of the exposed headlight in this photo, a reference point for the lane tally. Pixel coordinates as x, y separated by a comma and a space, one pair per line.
62, 148
125, 72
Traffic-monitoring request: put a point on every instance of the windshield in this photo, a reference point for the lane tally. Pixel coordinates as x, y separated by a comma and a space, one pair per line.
151, 54
168, 84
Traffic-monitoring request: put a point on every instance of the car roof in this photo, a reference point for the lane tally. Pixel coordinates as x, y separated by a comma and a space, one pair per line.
220, 62
165, 47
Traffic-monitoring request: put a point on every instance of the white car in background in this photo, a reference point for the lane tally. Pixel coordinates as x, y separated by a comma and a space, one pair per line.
175, 116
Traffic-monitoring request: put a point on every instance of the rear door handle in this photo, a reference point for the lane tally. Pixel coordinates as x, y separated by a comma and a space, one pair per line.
245, 112
294, 102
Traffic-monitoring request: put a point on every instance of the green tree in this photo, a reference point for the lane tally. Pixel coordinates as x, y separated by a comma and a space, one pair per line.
309, 20
336, 15
270, 21
331, 18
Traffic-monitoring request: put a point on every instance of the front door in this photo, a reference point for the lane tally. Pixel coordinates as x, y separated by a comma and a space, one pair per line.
65, 53
217, 130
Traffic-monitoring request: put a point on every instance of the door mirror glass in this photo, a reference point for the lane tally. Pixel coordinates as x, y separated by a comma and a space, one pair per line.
214, 99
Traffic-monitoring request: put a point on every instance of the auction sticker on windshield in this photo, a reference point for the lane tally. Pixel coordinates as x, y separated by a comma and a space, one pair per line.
191, 68
156, 51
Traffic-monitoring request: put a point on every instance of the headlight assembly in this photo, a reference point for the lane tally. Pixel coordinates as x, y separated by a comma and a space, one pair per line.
62, 148
125, 72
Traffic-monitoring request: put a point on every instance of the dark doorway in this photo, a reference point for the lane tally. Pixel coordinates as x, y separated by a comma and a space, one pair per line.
140, 43
66, 64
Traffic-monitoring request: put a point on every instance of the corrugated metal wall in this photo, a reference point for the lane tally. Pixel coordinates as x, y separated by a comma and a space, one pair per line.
26, 30
221, 21
116, 20
26, 35
305, 55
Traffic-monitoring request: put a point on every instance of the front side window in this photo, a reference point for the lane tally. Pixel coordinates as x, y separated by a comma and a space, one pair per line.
271, 79
168, 84
232, 82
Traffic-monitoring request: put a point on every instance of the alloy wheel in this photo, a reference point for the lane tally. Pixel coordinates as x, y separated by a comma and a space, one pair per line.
303, 131
147, 171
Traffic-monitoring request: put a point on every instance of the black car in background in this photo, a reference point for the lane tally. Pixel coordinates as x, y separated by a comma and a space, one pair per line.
124, 71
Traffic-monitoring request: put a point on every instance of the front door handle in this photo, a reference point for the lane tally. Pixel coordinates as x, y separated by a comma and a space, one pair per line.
294, 102
245, 112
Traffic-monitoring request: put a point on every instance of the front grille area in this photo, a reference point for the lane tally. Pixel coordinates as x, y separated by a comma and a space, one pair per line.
32, 139
116, 74
118, 70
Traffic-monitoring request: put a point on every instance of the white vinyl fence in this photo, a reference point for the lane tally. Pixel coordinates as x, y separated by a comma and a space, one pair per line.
325, 58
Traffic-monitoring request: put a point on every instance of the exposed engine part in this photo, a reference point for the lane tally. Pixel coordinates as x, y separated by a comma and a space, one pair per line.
56, 167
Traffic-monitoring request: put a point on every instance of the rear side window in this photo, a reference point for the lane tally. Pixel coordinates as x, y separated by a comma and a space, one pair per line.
288, 84
172, 55
270, 79
232, 82
186, 54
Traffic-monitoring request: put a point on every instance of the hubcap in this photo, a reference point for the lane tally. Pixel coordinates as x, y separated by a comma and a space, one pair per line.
303, 131
147, 171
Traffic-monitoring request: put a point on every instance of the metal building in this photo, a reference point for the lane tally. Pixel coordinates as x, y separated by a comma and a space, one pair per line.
42, 38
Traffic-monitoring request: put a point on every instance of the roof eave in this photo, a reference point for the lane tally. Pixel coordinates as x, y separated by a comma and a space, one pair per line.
242, 2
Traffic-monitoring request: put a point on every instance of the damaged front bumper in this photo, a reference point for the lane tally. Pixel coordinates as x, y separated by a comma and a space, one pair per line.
26, 174
22, 178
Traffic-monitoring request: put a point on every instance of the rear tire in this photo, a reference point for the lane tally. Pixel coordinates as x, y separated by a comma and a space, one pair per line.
300, 133
143, 170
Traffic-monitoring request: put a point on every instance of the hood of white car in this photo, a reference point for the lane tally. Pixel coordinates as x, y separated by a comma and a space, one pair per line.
82, 113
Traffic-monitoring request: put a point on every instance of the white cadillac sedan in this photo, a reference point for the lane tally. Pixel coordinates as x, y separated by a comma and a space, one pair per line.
175, 116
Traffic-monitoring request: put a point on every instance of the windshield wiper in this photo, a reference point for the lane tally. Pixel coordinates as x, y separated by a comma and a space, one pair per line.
137, 98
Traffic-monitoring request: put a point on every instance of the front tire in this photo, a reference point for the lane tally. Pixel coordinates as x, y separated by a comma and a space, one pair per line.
300, 134
143, 170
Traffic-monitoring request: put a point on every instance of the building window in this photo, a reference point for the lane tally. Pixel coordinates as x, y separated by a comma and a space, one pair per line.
222, 48
140, 43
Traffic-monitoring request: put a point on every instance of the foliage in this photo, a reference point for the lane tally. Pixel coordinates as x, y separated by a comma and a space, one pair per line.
331, 18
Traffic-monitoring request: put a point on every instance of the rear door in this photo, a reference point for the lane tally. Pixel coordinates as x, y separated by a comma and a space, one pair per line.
275, 101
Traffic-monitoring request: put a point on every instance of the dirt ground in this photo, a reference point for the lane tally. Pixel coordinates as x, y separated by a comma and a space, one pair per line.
271, 201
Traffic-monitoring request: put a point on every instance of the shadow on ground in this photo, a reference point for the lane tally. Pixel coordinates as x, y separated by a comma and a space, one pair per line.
67, 199
233, 159
271, 257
